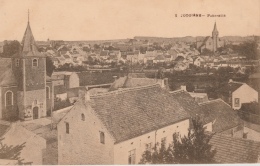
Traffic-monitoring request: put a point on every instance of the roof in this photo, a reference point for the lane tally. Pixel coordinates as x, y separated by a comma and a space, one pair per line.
6, 74
221, 113
235, 150
187, 102
130, 82
29, 47
159, 57
230, 87
3, 129
129, 113
255, 75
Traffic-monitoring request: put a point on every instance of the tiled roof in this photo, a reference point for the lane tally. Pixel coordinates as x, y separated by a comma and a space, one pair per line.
255, 75
234, 150
130, 82
188, 103
133, 112
221, 113
159, 57
230, 87
29, 47
6, 74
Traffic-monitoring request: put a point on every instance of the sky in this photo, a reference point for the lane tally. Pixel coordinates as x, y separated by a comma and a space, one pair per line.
120, 19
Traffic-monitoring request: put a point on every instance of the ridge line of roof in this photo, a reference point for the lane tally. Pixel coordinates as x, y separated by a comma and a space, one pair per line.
237, 138
211, 101
124, 90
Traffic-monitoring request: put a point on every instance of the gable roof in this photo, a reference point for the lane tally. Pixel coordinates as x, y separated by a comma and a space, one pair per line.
234, 150
129, 113
221, 113
130, 82
230, 87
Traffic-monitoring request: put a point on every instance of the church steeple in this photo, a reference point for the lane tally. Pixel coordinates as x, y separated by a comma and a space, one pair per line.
215, 28
28, 42
215, 38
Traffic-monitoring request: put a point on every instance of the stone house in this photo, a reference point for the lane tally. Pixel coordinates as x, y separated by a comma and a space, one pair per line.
118, 126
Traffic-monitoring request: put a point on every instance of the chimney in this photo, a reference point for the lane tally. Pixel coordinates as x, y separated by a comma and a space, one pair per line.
84, 95
183, 87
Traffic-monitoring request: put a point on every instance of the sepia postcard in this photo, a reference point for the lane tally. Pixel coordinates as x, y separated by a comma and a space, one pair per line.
121, 82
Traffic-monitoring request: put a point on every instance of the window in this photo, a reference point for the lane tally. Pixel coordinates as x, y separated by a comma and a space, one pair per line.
9, 98
35, 62
131, 157
17, 61
102, 137
47, 92
67, 128
82, 117
35, 102
237, 102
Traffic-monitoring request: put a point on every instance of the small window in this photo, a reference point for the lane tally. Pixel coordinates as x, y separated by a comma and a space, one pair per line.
35, 102
131, 157
237, 102
67, 128
9, 98
82, 117
35, 62
17, 62
102, 137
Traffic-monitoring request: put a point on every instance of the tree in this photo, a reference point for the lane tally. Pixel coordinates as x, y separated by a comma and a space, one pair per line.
191, 149
49, 66
11, 152
11, 48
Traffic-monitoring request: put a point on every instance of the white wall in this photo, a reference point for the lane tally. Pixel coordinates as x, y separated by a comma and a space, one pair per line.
139, 143
246, 94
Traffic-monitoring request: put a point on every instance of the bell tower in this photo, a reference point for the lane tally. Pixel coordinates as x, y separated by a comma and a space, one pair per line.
215, 38
29, 67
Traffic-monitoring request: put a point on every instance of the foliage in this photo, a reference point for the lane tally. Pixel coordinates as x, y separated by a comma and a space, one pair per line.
11, 48
11, 152
193, 148
248, 49
190, 87
49, 66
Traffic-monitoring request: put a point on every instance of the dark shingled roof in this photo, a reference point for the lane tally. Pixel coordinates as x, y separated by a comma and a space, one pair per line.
133, 112
235, 150
230, 87
224, 116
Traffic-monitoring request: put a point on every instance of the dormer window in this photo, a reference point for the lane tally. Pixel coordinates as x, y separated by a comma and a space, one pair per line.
35, 62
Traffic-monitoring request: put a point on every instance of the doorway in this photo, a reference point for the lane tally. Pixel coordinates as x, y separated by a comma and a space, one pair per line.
35, 113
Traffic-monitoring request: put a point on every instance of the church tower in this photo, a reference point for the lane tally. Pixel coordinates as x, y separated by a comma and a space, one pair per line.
29, 67
215, 38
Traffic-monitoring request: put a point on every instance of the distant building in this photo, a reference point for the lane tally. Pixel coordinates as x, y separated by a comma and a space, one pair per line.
210, 43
